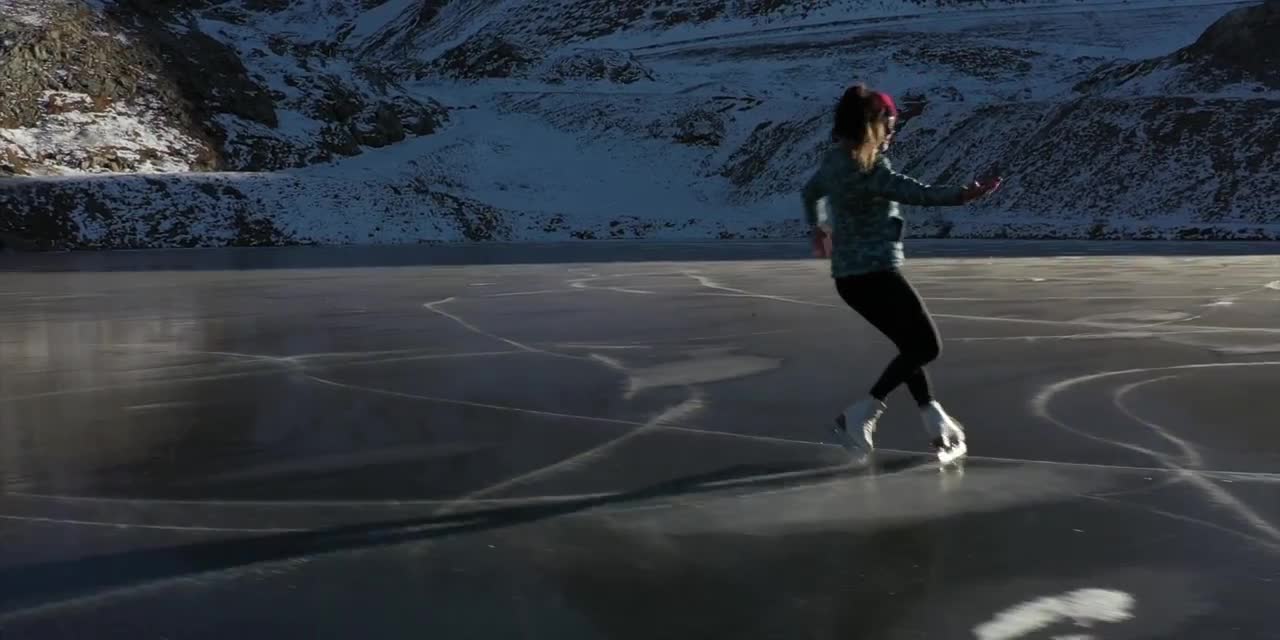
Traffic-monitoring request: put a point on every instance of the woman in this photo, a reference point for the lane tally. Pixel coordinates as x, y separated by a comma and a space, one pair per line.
863, 192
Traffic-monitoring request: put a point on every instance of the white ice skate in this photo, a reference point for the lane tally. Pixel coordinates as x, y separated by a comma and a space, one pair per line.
947, 434
856, 427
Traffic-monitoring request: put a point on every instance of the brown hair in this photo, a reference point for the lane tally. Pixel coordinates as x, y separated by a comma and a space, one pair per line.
861, 123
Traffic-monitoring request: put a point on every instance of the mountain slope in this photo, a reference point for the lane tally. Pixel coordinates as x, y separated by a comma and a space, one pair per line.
339, 121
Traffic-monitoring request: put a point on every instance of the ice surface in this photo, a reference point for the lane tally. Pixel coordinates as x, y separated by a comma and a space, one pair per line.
598, 422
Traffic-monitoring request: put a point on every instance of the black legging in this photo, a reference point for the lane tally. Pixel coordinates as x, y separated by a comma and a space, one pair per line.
891, 304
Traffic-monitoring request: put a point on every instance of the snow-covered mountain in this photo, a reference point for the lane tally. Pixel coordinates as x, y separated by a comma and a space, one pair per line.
209, 122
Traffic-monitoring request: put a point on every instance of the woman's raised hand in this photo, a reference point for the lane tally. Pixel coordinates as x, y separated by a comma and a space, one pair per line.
981, 188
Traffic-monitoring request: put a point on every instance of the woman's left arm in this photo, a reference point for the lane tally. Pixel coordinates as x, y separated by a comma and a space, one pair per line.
891, 185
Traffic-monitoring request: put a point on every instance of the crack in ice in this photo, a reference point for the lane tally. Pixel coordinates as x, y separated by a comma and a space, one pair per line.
1040, 405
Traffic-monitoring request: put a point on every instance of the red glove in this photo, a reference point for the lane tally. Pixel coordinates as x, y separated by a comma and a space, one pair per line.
981, 188
821, 241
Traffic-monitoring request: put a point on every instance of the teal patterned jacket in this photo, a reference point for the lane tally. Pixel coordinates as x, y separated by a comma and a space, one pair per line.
866, 227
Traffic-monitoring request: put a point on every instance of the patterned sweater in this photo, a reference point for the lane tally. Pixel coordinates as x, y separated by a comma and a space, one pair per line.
866, 228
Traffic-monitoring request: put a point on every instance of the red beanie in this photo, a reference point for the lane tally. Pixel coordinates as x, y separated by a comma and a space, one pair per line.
884, 102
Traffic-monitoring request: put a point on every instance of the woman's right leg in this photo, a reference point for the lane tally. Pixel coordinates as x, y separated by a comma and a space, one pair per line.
887, 301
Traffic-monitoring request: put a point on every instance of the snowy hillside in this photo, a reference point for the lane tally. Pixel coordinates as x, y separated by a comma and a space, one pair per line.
149, 123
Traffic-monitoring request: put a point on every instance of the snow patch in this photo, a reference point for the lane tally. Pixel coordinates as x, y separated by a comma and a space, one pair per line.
653, 127
33, 13
374, 20
76, 130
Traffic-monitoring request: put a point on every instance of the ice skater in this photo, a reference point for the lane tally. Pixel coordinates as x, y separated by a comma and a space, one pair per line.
864, 244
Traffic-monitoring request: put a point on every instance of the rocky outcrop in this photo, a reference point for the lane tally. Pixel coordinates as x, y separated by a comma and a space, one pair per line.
516, 39
75, 76
349, 111
563, 131
347, 121
1244, 45
1239, 50
598, 65
400, 34
190, 70
484, 56
376, 122
767, 163
1120, 160
217, 209
208, 74
695, 128
70, 52
24, 223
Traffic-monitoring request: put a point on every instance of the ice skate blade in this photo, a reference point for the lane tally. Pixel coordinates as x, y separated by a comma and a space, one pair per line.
953, 454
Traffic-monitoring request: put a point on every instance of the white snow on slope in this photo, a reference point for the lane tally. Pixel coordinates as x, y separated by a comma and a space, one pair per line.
29, 12
663, 158
75, 130
374, 20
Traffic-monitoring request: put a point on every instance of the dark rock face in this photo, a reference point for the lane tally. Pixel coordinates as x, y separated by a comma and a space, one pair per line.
78, 52
186, 80
185, 220
599, 65
356, 121
72, 53
153, 56
179, 211
40, 227
1139, 149
209, 75
750, 169
1241, 47
485, 56
380, 127
699, 128
1245, 41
